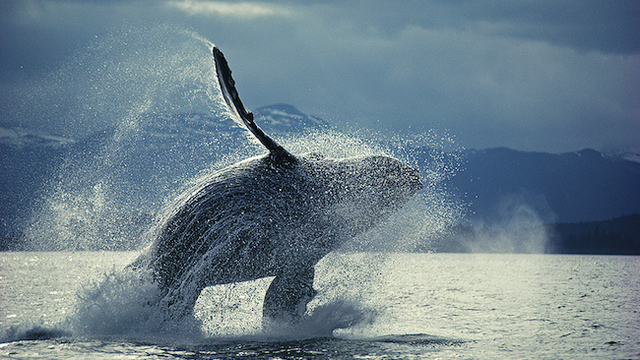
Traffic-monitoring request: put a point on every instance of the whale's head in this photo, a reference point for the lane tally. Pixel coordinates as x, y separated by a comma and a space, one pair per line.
363, 191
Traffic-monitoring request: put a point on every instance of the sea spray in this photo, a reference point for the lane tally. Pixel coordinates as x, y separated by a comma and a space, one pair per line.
123, 304
123, 97
138, 100
117, 304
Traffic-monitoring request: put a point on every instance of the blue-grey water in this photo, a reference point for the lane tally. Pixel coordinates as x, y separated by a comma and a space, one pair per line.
369, 306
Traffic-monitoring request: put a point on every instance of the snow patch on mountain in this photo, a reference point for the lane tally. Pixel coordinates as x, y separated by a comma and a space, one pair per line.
287, 118
631, 156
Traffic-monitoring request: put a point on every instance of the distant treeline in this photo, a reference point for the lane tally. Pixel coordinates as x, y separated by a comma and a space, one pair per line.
619, 236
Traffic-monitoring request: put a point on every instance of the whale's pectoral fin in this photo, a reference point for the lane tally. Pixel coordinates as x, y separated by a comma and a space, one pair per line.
238, 111
287, 297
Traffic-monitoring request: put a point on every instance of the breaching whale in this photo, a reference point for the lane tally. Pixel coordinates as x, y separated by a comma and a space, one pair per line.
275, 216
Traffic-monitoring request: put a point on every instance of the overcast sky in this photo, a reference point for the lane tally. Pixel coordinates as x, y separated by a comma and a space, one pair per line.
549, 76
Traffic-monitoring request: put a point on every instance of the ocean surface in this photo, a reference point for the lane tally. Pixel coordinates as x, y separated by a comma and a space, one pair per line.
369, 306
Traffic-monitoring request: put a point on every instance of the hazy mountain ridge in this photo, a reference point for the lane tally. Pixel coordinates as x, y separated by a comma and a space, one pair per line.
286, 118
570, 187
164, 149
148, 160
28, 160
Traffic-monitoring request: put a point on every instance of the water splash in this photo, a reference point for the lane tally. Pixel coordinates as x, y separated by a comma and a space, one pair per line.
119, 93
122, 304
131, 89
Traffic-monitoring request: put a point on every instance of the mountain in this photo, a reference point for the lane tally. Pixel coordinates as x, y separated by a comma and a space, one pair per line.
130, 170
28, 160
572, 203
569, 187
631, 156
119, 176
284, 118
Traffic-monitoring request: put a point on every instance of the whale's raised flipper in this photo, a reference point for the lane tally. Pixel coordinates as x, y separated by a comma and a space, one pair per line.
287, 297
239, 113
291, 290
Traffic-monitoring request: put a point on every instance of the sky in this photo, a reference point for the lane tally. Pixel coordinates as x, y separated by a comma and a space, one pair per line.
550, 76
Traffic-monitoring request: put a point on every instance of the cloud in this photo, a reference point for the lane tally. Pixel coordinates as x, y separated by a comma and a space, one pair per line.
489, 89
596, 25
532, 75
600, 25
242, 10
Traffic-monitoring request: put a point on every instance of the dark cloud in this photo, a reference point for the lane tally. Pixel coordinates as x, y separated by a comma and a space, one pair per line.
600, 25
533, 75
606, 26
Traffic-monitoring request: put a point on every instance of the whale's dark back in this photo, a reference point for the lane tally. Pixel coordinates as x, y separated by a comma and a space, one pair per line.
260, 217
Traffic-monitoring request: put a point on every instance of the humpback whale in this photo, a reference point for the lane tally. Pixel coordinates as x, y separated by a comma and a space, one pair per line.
274, 215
